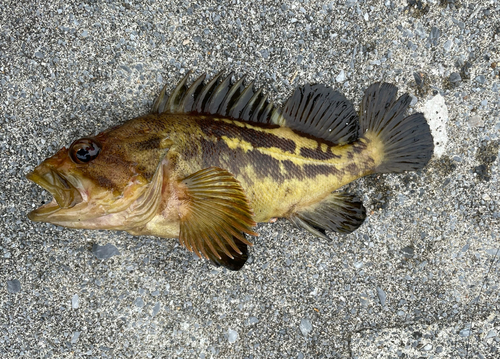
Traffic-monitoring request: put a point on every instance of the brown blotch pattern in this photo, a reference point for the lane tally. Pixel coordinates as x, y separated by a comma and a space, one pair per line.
258, 139
148, 144
317, 153
105, 182
311, 171
292, 169
191, 150
216, 152
353, 169
131, 149
359, 146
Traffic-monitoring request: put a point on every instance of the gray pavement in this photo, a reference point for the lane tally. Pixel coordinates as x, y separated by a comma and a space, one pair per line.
419, 279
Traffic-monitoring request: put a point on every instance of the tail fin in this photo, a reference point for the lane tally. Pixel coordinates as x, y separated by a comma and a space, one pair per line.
406, 141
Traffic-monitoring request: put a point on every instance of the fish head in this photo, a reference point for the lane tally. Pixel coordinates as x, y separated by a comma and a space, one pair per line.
109, 181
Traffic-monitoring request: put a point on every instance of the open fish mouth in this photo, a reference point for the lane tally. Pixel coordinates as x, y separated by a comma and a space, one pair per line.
64, 193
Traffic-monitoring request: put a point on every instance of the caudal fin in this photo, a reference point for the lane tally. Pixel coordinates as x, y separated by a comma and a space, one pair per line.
406, 141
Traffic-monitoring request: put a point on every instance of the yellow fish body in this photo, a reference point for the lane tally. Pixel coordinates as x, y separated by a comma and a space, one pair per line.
214, 158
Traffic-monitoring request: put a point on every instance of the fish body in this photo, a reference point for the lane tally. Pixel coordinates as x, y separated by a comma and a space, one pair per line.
213, 159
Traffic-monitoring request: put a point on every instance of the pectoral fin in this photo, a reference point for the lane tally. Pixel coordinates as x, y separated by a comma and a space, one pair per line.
238, 259
339, 212
215, 217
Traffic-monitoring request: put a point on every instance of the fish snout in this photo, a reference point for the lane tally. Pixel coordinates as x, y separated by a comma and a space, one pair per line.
57, 184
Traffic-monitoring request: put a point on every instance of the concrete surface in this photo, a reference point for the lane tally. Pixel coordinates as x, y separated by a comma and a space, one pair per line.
419, 279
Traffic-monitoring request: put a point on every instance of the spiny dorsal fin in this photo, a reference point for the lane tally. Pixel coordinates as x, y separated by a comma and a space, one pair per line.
339, 212
220, 96
320, 111
215, 217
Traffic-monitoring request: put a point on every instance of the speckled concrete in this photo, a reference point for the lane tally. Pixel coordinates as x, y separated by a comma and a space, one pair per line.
418, 279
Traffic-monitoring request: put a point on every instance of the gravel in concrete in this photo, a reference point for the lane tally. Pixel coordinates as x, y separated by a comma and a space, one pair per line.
418, 279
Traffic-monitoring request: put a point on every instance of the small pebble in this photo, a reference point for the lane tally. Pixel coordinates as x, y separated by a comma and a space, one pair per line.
75, 302
427, 347
252, 320
408, 252
434, 35
105, 252
381, 296
476, 121
341, 76
139, 302
480, 79
464, 332
75, 337
491, 334
455, 78
305, 326
232, 335
448, 45
156, 309
13, 286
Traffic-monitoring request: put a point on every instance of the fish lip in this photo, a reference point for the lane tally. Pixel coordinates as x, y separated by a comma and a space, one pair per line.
64, 194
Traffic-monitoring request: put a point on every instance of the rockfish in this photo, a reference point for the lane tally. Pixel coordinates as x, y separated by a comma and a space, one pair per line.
214, 158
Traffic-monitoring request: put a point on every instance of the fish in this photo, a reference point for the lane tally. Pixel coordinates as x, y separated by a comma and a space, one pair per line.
216, 157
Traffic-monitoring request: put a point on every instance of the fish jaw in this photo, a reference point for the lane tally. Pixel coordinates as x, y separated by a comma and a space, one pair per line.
65, 194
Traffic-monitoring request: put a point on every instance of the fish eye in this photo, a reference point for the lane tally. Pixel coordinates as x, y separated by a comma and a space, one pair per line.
84, 150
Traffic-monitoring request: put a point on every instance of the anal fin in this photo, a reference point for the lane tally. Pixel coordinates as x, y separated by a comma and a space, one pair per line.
339, 212
215, 218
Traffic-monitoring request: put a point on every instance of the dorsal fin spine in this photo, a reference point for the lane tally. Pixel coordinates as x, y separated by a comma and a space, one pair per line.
191, 93
276, 116
234, 91
249, 108
177, 94
218, 96
160, 100
205, 93
260, 108
240, 103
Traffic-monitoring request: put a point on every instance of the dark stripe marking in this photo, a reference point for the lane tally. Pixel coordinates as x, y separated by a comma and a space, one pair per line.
218, 154
317, 153
292, 169
254, 137
312, 171
359, 146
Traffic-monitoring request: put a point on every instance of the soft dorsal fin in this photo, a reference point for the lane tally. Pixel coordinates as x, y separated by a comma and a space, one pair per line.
220, 96
322, 112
